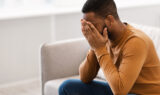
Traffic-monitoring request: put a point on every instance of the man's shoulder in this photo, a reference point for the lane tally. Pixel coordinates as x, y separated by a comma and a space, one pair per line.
136, 40
139, 36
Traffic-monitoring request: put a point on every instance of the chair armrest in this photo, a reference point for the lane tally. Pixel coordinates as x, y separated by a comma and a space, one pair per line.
62, 58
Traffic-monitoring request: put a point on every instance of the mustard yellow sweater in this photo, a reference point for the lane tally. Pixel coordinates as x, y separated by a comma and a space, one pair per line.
130, 65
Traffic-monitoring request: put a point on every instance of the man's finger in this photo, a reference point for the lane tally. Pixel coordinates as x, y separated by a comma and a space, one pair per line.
86, 30
82, 27
83, 22
92, 27
105, 33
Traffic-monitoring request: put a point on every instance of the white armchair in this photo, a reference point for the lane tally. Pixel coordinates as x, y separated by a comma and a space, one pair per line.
61, 60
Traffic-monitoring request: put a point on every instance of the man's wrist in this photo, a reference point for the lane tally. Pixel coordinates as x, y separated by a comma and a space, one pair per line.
99, 52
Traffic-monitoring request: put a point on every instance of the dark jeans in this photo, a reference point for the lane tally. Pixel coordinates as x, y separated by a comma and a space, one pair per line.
77, 87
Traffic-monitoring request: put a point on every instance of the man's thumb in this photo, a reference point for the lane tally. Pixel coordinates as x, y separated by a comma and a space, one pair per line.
105, 33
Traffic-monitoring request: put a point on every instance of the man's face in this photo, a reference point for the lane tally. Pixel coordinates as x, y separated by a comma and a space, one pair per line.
95, 20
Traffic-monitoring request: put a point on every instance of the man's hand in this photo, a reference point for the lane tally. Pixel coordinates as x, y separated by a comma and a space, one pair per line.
92, 35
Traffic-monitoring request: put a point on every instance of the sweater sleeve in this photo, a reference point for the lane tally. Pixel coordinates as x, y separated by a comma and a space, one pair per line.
133, 56
89, 67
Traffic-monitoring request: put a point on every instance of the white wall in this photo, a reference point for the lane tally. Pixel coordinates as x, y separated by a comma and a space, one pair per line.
147, 15
20, 41
66, 26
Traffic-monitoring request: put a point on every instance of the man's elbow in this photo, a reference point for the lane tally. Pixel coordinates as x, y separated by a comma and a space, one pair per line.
120, 92
86, 81
85, 78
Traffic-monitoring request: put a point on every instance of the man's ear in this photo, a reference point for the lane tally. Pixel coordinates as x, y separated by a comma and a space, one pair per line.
109, 21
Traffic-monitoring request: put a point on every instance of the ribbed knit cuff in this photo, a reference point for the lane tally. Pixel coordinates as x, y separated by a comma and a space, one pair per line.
101, 52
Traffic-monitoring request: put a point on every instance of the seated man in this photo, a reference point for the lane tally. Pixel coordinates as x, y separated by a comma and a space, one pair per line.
126, 56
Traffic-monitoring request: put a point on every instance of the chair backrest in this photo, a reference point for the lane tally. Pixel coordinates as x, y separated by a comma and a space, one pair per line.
153, 33
62, 58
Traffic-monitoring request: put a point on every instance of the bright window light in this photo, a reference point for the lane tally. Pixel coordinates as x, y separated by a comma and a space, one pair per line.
35, 3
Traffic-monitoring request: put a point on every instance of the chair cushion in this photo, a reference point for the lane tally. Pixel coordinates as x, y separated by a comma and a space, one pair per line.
51, 87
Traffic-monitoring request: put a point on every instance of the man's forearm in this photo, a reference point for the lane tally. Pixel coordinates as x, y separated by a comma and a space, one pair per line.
89, 67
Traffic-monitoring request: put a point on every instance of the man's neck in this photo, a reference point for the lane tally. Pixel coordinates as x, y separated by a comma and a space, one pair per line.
118, 33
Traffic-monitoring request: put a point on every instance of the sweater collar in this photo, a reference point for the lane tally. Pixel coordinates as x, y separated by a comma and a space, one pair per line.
126, 33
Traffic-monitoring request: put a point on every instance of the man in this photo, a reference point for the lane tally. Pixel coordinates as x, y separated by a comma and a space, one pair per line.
126, 56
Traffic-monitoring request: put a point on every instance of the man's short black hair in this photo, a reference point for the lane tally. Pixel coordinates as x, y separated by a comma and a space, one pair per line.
101, 7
